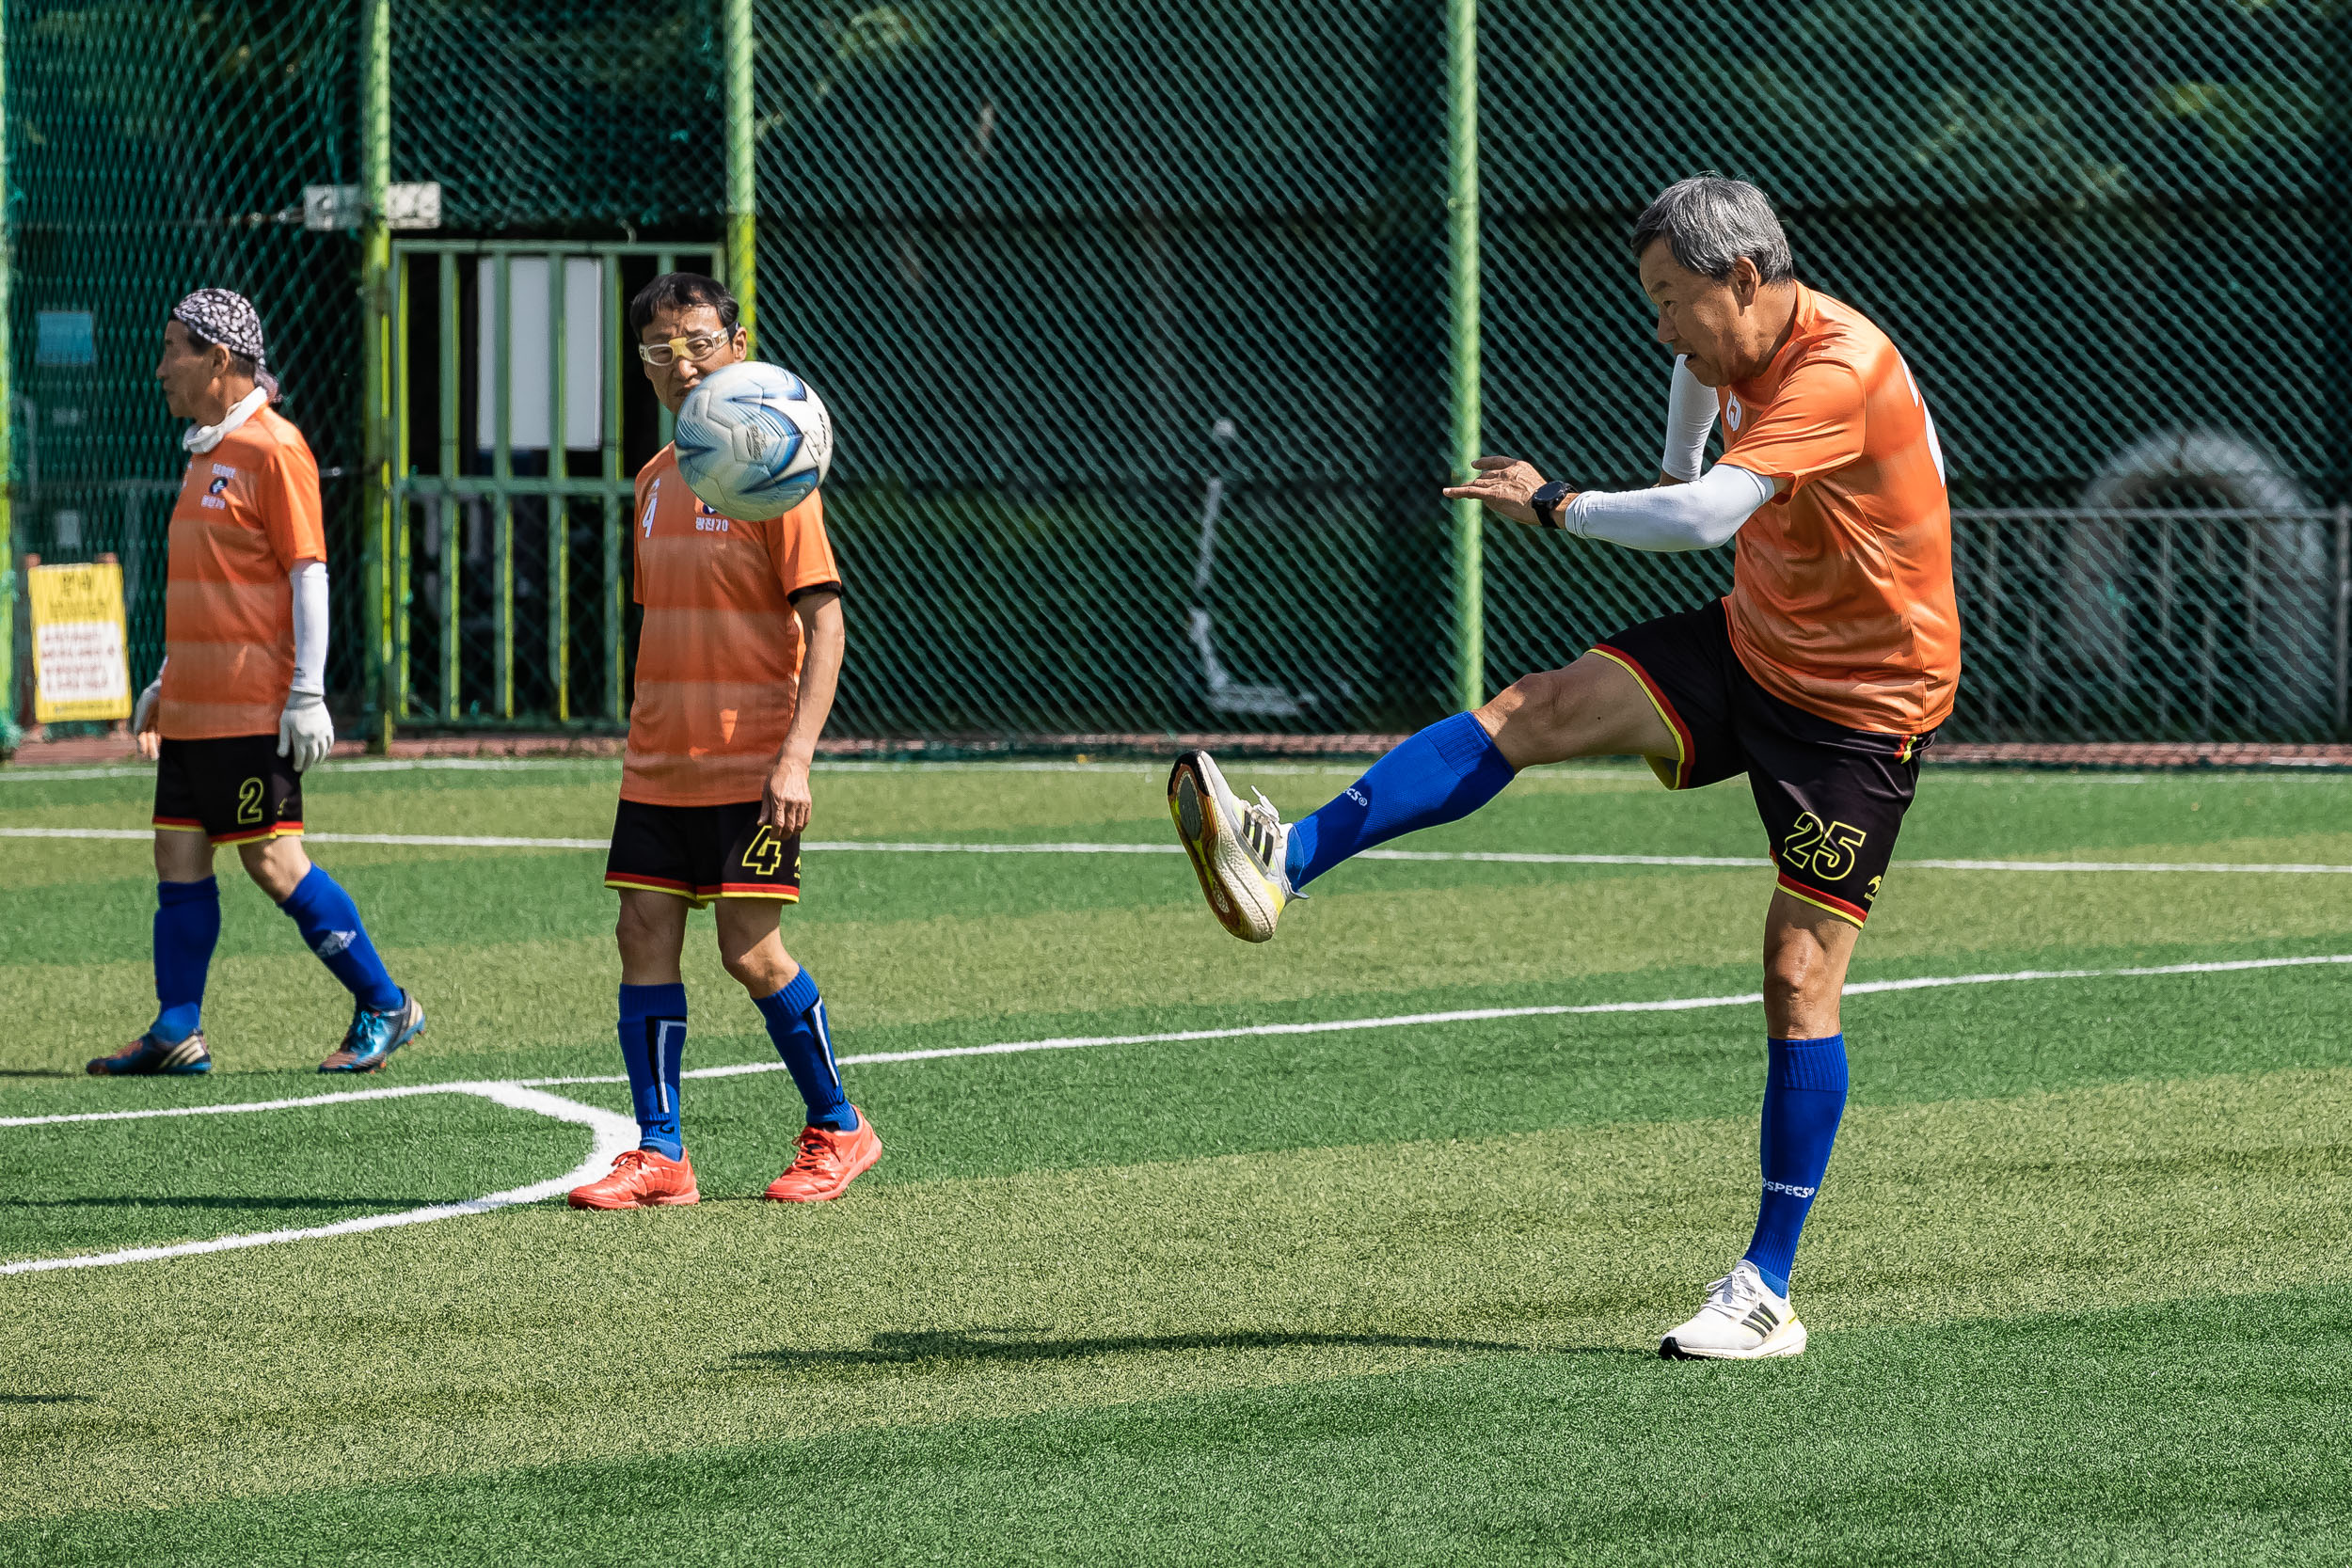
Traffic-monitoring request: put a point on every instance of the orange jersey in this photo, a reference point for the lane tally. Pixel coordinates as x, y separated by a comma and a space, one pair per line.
1841, 590
248, 510
719, 656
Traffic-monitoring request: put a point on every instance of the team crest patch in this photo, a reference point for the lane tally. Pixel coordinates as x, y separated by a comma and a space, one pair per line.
216, 487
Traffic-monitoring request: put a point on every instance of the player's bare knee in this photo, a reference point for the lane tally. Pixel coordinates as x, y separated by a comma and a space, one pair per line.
276, 865
639, 936
1534, 717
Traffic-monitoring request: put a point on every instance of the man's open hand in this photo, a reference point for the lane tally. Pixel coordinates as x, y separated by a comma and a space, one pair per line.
785, 804
1503, 485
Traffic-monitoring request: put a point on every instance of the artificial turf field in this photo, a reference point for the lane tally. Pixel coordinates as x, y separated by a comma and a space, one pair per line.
2076, 1282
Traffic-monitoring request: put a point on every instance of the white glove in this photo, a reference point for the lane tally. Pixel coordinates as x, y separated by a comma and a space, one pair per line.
305, 729
143, 711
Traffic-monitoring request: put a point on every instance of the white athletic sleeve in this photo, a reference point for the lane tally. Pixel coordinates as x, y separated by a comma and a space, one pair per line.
310, 627
1695, 516
1690, 420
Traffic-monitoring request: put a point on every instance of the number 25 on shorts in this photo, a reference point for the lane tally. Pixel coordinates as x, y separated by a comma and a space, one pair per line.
1826, 849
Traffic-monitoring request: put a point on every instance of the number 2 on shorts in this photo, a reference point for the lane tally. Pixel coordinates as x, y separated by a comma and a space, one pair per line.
250, 802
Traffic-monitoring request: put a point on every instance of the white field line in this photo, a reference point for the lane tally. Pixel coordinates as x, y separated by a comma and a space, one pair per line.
2298, 771
461, 840
615, 1132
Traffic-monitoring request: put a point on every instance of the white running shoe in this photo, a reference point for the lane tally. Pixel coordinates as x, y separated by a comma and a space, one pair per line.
1743, 1320
1236, 850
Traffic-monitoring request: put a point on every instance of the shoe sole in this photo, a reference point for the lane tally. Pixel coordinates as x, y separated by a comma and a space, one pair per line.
678, 1201
193, 1069
1789, 1340
1237, 894
835, 1191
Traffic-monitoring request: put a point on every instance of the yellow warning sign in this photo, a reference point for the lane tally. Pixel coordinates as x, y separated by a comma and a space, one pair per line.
80, 668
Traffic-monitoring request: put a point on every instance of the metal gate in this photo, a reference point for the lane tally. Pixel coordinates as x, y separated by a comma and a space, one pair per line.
507, 596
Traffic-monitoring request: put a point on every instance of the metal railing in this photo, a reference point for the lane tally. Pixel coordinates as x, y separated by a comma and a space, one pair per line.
2155, 625
456, 520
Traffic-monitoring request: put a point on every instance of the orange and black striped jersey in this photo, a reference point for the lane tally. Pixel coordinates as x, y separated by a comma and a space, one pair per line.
1841, 601
249, 512
719, 656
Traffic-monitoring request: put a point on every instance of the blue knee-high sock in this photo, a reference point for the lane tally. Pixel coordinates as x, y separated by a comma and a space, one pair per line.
1447, 772
796, 1021
187, 925
653, 1043
330, 926
1804, 1094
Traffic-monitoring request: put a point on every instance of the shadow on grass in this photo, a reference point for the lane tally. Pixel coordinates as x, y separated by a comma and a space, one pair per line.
1012, 1345
45, 1399
205, 1200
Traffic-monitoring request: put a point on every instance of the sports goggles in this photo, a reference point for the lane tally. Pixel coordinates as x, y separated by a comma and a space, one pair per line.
695, 349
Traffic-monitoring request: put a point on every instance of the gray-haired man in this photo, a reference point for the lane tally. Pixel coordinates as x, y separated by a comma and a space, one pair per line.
238, 711
1820, 675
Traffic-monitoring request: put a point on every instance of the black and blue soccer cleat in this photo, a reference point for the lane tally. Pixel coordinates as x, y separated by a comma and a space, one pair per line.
374, 1036
147, 1056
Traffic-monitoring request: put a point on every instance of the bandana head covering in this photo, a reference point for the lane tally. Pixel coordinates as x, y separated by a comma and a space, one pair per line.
229, 319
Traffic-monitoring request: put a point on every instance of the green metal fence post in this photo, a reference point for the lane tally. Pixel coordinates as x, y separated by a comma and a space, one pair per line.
1469, 615
559, 496
376, 258
743, 191
451, 509
8, 417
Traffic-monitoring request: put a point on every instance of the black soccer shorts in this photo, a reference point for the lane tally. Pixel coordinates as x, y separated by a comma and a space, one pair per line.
702, 852
1832, 799
235, 790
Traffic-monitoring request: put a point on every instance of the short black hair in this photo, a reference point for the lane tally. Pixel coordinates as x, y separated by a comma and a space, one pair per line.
678, 291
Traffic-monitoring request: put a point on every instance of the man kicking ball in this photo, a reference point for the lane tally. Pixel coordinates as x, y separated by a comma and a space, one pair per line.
736, 668
238, 712
1821, 677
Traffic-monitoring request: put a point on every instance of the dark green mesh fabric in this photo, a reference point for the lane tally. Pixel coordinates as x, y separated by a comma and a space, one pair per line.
1134, 312
154, 150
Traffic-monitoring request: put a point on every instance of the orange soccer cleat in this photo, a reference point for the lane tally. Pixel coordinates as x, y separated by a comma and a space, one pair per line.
641, 1179
827, 1163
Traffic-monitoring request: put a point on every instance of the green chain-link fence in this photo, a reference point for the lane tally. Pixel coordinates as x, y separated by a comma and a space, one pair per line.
1136, 317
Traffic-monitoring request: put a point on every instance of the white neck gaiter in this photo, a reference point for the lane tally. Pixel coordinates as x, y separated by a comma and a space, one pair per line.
204, 438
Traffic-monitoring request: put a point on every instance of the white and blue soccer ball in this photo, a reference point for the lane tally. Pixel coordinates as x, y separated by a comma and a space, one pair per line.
754, 440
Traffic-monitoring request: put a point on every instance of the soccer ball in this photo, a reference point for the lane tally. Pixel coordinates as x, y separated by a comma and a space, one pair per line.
753, 441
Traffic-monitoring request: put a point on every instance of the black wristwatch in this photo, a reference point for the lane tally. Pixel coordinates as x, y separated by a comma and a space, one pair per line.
1547, 501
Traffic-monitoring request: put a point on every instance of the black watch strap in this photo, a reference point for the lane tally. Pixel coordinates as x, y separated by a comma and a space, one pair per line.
1546, 502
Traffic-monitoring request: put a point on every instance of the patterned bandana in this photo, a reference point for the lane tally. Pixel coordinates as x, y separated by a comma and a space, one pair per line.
220, 317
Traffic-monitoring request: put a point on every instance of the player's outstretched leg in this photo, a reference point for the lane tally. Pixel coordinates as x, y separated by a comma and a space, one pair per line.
1747, 1316
1252, 865
187, 926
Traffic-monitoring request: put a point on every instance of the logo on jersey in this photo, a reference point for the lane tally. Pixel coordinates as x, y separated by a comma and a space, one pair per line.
216, 486
706, 520
1733, 413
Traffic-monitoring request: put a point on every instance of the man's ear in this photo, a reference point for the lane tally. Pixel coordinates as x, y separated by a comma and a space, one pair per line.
1745, 280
